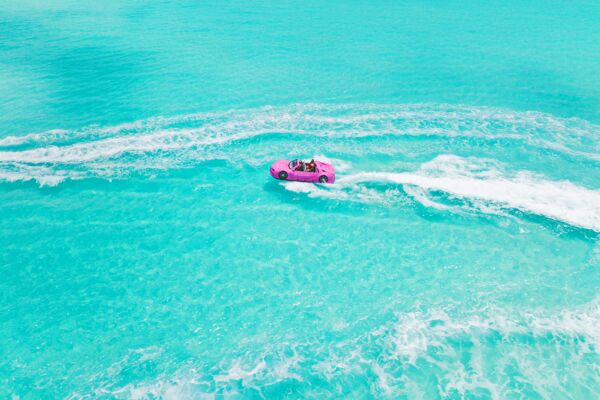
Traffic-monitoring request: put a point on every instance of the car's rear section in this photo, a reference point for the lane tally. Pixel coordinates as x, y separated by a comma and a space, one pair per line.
326, 170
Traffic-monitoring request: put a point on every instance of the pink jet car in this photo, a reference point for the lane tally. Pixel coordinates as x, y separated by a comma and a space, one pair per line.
294, 171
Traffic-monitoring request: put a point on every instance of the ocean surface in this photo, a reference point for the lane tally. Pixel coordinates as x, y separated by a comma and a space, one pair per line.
146, 253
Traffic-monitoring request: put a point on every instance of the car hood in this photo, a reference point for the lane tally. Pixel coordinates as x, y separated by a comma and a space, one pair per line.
280, 165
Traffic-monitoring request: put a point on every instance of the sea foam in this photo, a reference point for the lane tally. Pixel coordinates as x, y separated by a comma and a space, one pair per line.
464, 348
170, 142
475, 179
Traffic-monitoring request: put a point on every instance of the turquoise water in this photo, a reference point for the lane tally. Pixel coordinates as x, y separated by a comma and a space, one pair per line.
146, 253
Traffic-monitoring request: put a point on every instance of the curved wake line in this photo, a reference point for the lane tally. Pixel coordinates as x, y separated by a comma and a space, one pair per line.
475, 180
330, 120
53, 156
562, 201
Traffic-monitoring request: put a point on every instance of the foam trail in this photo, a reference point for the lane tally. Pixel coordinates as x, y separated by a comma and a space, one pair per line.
314, 190
569, 135
357, 119
170, 142
560, 200
475, 180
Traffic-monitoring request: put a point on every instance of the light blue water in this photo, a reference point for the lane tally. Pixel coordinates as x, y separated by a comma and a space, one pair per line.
146, 253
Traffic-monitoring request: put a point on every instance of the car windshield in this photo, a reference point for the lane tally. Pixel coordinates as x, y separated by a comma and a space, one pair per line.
293, 164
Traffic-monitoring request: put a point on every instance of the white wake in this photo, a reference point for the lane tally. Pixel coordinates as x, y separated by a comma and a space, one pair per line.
475, 180
52, 156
